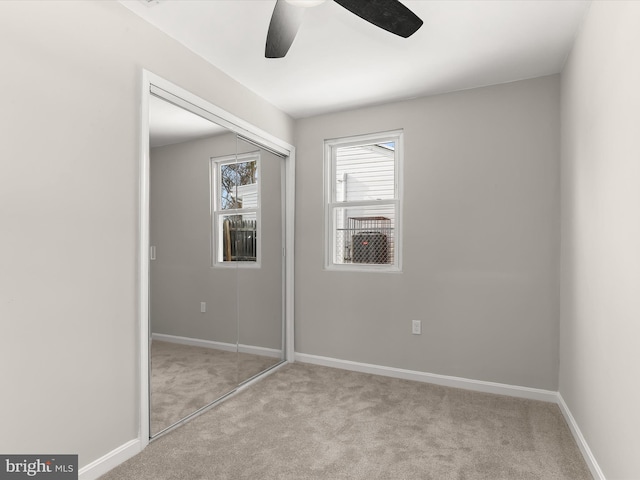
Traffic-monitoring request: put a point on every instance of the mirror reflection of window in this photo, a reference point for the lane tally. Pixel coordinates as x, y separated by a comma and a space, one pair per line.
239, 185
236, 208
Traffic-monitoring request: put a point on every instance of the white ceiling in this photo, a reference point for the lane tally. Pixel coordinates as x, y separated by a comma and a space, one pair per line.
338, 61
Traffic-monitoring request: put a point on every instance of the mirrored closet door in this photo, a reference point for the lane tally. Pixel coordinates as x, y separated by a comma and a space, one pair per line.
260, 285
216, 230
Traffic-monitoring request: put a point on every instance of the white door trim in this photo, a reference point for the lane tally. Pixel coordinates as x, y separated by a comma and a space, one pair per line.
178, 95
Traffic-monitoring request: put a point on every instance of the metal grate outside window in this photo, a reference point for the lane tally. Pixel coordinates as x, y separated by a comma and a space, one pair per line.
362, 205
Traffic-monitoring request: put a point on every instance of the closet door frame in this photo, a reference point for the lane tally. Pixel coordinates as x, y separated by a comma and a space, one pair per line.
185, 99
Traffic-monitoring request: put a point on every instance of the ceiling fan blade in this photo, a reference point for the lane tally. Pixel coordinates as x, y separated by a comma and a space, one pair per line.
285, 21
391, 15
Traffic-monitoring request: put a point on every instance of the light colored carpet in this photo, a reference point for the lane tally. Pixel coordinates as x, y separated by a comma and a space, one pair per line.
185, 378
310, 422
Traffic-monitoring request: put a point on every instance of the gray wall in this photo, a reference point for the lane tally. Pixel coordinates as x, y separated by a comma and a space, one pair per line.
248, 298
69, 156
481, 203
600, 327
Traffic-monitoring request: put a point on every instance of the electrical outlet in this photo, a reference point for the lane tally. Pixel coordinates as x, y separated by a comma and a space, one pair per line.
203, 307
416, 327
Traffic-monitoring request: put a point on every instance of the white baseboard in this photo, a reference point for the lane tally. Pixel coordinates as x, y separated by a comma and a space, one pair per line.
580, 440
262, 351
228, 347
444, 380
111, 460
194, 342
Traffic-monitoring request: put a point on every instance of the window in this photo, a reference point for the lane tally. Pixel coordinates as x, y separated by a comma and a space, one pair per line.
236, 209
363, 202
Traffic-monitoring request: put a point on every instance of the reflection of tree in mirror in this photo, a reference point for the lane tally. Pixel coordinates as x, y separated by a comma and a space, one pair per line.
233, 176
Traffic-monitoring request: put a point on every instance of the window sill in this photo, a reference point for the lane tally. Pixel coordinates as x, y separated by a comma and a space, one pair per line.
363, 268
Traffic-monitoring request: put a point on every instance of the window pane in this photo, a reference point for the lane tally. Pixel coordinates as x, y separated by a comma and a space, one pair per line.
238, 238
239, 185
364, 235
365, 172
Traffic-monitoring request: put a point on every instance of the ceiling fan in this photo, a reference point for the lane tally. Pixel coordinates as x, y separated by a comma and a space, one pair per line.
390, 15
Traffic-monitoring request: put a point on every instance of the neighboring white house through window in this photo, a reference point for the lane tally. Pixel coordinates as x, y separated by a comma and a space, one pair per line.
236, 209
363, 210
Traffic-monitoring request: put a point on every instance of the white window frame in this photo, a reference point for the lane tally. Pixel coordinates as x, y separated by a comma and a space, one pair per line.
331, 202
215, 165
